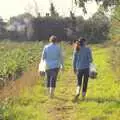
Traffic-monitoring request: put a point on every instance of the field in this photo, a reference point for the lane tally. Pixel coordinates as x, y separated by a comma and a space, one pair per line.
16, 57
103, 96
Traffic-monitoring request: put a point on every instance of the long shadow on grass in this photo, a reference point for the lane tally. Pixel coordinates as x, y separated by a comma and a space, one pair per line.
99, 100
61, 99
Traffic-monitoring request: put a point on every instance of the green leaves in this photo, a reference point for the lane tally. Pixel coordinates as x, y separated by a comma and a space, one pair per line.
15, 60
105, 3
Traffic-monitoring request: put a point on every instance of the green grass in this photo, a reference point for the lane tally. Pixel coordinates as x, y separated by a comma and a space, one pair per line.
102, 101
103, 94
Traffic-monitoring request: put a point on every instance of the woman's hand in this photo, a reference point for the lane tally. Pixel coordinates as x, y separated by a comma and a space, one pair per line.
62, 68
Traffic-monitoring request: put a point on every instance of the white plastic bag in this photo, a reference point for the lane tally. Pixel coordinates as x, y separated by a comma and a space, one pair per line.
92, 71
42, 67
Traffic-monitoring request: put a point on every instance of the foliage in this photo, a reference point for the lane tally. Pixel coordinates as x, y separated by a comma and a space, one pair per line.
3, 32
46, 26
16, 57
115, 24
53, 12
115, 37
94, 29
27, 27
115, 59
104, 3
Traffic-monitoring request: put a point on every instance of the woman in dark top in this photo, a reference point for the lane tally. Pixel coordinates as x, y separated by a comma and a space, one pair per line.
82, 57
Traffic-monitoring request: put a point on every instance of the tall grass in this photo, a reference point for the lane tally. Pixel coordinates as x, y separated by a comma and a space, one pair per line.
16, 57
115, 36
115, 59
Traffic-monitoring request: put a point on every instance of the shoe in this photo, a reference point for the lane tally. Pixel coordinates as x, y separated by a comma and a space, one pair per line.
51, 96
51, 92
83, 95
76, 97
78, 91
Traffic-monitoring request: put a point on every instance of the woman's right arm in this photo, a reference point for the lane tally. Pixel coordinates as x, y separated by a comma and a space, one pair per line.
43, 57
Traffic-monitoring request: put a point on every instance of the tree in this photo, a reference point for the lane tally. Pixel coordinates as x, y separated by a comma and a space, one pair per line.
115, 24
100, 27
73, 21
104, 3
20, 27
3, 31
53, 12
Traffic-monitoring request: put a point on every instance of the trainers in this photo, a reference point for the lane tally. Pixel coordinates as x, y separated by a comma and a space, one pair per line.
75, 98
83, 95
77, 95
51, 96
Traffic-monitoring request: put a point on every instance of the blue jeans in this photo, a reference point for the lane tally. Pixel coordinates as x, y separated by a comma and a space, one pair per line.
52, 77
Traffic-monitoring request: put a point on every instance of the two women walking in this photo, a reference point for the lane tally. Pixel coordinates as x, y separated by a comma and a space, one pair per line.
82, 57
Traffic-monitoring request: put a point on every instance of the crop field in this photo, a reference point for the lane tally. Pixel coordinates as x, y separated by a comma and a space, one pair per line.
16, 57
103, 96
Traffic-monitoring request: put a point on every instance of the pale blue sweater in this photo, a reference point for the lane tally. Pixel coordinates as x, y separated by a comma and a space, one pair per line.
53, 56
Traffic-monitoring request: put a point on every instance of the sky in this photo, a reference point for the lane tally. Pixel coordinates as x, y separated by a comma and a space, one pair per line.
10, 8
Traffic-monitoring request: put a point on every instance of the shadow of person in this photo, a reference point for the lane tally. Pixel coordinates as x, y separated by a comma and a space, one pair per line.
103, 100
61, 99
76, 99
99, 100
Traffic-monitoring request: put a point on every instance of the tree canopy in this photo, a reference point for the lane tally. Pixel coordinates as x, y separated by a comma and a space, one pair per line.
104, 3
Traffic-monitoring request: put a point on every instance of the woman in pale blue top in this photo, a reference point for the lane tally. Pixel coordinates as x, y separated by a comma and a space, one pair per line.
82, 57
53, 58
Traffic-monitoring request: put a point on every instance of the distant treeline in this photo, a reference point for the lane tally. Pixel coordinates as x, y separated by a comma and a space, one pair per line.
27, 27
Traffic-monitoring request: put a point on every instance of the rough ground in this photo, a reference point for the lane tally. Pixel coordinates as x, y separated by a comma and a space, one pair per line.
14, 88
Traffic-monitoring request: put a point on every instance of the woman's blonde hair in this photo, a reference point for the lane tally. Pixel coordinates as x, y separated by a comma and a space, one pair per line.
53, 39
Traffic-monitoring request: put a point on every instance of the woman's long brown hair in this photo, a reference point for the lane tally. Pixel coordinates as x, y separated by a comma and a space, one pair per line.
80, 42
77, 46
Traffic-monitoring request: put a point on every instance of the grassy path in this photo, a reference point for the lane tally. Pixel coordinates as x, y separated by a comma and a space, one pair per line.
102, 101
